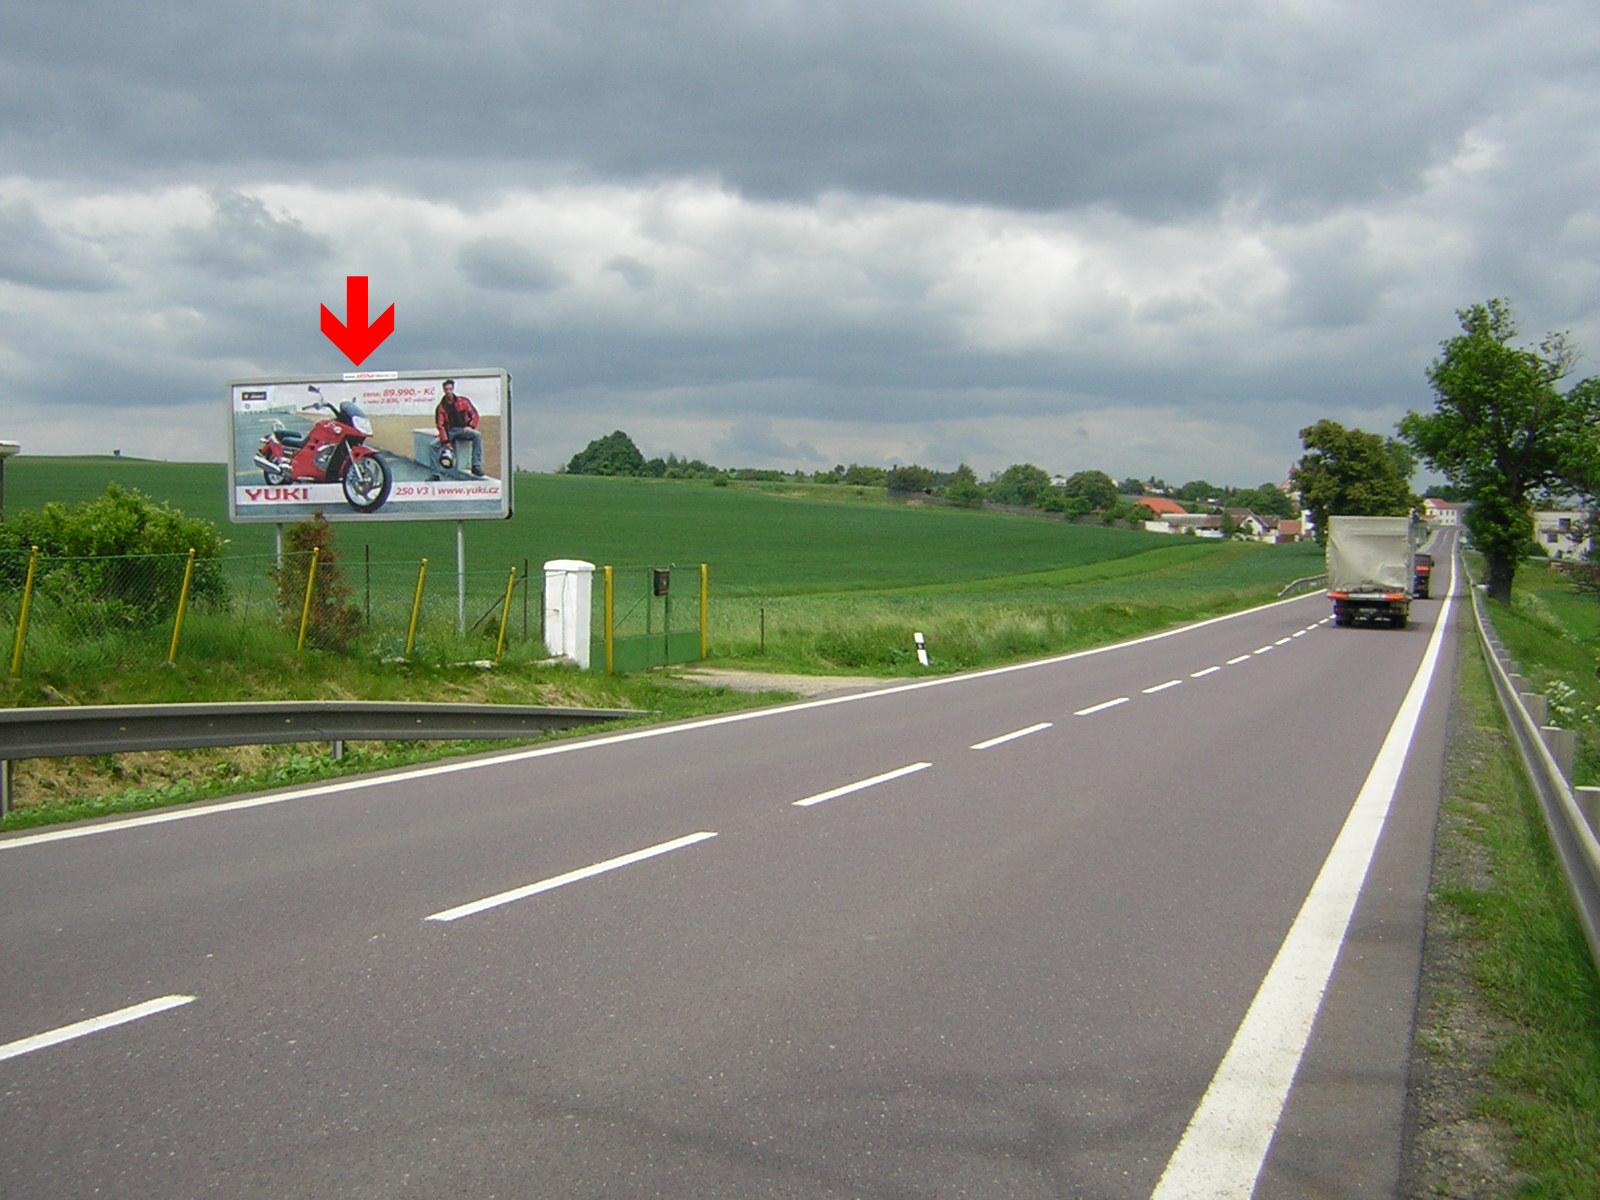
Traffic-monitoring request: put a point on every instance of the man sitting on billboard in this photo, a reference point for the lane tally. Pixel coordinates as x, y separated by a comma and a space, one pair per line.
457, 422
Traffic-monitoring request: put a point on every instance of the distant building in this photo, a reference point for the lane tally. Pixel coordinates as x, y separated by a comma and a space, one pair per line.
1563, 535
1160, 506
1441, 512
1288, 529
1246, 524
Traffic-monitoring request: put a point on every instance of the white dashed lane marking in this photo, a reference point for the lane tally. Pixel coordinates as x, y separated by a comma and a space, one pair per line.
93, 1025
861, 784
1011, 737
555, 881
1094, 708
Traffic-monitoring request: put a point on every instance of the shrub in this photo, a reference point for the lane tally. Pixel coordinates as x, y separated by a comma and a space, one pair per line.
102, 558
334, 618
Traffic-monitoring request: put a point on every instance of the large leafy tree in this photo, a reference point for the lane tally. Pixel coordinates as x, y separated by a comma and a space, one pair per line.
1020, 483
614, 454
1502, 428
1096, 488
1351, 472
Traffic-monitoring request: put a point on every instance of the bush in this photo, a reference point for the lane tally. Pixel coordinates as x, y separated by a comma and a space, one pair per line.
334, 619
103, 558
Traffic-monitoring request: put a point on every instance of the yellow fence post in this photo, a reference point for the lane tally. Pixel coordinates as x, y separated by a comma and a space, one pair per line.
22, 613
505, 612
610, 613
183, 604
416, 609
705, 610
305, 611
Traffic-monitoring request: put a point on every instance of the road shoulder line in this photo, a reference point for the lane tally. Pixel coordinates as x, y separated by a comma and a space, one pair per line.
1225, 1145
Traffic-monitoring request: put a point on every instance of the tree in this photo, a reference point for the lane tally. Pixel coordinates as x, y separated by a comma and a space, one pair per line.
964, 488
909, 478
1199, 491
1353, 473
1502, 429
1096, 487
1021, 483
614, 454
1267, 500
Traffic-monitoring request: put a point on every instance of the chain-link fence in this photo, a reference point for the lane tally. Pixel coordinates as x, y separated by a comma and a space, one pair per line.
104, 612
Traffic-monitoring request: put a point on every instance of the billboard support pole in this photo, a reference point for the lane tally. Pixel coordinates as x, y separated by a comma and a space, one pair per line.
277, 544
461, 579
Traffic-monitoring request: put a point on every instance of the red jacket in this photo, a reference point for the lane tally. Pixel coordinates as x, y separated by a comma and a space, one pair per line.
450, 416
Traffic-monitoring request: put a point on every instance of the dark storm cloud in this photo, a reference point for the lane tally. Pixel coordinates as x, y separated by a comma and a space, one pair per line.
36, 256
1153, 238
243, 238
507, 265
1154, 111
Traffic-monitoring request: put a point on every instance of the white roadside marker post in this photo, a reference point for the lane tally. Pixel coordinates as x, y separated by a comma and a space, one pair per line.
922, 649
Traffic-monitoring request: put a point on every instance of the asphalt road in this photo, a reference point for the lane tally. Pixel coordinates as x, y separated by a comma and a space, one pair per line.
991, 936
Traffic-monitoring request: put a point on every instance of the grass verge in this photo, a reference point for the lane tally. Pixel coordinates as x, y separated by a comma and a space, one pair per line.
48, 791
1506, 1086
1553, 632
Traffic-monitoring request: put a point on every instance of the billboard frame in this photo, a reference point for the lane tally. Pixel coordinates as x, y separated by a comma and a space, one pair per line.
276, 508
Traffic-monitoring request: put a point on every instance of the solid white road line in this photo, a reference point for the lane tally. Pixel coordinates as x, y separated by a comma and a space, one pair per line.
1203, 673
582, 745
93, 1025
1011, 737
1160, 687
1226, 1143
1233, 662
545, 885
861, 784
1094, 708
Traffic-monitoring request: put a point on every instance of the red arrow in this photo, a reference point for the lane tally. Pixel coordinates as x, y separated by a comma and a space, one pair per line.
357, 339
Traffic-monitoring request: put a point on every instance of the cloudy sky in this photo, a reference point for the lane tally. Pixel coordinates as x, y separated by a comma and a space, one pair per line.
1143, 236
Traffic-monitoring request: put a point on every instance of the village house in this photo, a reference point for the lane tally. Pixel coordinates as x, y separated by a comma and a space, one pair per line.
1441, 512
1563, 535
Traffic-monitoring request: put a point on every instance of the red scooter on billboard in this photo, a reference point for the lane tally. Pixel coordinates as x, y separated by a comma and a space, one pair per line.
334, 450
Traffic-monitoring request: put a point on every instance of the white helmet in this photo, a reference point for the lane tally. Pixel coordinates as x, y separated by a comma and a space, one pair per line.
447, 457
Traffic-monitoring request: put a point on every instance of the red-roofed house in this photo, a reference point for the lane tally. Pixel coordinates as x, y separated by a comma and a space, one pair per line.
1160, 506
1441, 512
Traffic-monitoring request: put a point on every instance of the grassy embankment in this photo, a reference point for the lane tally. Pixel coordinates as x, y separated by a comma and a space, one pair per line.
1553, 632
1511, 1015
839, 580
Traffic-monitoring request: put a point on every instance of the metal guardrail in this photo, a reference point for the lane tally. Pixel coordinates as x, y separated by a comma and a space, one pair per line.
120, 729
1308, 583
1572, 815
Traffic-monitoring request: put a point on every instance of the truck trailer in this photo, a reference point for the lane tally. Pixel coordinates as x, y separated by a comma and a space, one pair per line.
1371, 572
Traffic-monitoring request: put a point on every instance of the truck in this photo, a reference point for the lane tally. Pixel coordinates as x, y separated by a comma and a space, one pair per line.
1422, 583
1370, 569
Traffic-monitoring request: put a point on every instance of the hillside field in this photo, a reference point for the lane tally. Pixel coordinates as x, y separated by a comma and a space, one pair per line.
758, 540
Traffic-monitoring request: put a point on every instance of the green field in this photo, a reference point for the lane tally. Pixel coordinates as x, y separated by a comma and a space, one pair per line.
802, 577
759, 539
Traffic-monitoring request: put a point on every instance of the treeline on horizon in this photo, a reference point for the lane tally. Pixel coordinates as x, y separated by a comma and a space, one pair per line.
1021, 485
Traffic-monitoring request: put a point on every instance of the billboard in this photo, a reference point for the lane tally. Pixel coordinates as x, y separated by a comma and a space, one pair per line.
372, 446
